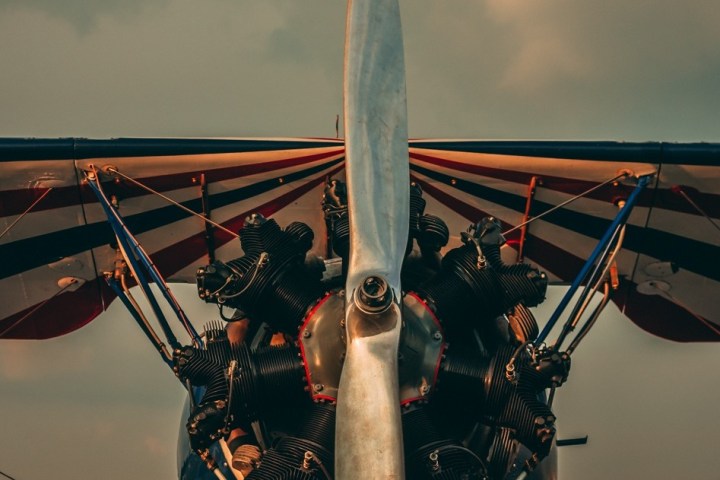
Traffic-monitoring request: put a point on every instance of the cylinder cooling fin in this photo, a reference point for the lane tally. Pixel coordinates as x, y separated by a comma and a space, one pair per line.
471, 393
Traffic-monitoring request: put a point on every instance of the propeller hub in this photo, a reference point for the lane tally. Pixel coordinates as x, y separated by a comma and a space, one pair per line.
374, 294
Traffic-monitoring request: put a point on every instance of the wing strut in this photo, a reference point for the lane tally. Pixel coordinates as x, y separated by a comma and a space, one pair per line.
132, 248
602, 247
126, 298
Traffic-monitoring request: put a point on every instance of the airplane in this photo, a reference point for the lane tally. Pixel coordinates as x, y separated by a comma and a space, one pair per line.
449, 173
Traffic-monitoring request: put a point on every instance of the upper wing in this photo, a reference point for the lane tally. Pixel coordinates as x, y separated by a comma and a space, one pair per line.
467, 180
65, 234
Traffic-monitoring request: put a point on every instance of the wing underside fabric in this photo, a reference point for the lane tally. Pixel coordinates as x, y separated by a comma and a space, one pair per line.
65, 235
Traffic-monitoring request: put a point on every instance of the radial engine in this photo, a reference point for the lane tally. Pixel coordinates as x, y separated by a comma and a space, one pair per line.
472, 395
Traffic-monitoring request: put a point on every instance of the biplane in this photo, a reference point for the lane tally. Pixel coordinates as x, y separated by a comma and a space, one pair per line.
321, 220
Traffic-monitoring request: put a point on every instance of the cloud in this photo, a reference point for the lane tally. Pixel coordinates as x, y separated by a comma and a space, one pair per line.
564, 69
30, 361
155, 445
191, 69
83, 15
493, 68
604, 41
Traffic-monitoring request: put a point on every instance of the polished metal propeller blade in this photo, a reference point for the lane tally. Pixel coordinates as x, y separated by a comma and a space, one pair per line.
368, 436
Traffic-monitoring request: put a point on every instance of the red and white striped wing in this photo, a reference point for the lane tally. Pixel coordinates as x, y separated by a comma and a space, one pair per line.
67, 235
466, 180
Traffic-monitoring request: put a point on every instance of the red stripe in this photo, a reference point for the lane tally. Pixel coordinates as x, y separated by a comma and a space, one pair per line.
661, 317
14, 202
653, 314
663, 198
63, 314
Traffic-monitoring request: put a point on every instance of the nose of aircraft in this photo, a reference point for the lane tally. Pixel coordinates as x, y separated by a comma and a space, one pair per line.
368, 432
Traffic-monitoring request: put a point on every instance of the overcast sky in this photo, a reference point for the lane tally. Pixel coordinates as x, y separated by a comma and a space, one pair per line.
98, 404
639, 70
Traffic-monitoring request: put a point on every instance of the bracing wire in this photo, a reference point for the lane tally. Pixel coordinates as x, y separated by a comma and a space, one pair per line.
566, 202
697, 207
25, 213
6, 475
173, 202
38, 307
699, 318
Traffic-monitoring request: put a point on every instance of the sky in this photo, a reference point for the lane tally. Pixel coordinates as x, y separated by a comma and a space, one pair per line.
98, 403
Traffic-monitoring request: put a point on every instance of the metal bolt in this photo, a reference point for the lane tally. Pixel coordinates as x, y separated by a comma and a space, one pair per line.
306, 460
434, 461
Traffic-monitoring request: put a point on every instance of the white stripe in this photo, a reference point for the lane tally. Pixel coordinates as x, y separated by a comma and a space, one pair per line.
152, 166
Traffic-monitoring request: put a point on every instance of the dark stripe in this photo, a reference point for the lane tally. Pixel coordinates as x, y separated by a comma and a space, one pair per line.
650, 152
687, 253
16, 149
668, 199
13, 149
36, 251
654, 314
707, 154
663, 198
13, 202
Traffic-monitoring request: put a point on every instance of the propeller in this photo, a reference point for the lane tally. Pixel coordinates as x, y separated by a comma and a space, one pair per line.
368, 434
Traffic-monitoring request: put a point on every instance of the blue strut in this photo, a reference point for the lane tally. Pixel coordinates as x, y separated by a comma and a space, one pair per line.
620, 219
132, 247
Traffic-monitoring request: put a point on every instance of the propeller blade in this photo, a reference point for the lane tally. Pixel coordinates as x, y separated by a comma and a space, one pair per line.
368, 433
